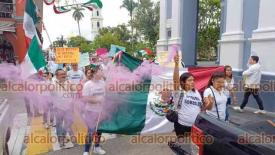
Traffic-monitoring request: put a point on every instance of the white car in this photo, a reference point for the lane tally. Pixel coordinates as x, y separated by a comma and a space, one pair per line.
6, 118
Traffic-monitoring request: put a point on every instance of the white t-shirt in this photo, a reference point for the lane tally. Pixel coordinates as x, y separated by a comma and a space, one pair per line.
75, 76
190, 107
221, 100
226, 85
62, 96
253, 76
92, 88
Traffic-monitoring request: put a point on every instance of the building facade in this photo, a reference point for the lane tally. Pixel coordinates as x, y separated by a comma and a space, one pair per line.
170, 24
11, 25
247, 27
179, 18
97, 22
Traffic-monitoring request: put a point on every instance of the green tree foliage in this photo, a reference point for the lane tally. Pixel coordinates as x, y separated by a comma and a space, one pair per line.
105, 39
130, 6
208, 27
81, 42
118, 35
146, 21
120, 30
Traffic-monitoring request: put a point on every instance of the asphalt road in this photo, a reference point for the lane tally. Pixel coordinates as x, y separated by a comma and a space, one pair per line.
119, 146
122, 146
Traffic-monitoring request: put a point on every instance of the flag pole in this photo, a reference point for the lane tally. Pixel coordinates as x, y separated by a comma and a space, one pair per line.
43, 25
96, 127
48, 36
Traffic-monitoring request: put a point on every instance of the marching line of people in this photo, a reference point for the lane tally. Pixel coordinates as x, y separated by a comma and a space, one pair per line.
58, 110
214, 100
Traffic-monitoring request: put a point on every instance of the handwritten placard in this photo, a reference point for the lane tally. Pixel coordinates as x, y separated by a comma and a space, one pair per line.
67, 55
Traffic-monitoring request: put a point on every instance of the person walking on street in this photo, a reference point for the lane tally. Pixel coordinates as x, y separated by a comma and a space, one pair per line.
48, 114
63, 107
252, 79
93, 96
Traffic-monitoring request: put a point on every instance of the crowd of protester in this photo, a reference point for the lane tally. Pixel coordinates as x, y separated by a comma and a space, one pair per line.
214, 101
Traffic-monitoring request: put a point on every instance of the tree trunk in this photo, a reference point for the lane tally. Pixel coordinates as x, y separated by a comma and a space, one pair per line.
132, 38
78, 28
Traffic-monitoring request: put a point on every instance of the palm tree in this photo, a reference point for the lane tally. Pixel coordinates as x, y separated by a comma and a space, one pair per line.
78, 15
130, 6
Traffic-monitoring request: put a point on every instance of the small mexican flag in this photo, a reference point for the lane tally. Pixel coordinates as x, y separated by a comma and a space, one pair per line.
33, 57
91, 4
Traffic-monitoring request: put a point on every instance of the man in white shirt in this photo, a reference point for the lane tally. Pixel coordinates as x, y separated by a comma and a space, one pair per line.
75, 75
63, 106
252, 79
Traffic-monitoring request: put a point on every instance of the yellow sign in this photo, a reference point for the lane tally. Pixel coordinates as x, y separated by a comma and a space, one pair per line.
162, 57
67, 55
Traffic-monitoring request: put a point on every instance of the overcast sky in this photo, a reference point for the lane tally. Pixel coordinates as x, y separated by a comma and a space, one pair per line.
64, 24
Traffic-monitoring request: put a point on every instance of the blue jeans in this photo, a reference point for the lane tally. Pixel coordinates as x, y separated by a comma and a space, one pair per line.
91, 119
256, 95
226, 110
63, 123
28, 105
48, 110
89, 140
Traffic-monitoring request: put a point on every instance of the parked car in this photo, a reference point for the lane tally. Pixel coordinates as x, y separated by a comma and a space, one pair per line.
210, 136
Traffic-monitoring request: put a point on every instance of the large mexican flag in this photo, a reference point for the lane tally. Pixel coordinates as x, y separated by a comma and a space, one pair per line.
136, 115
33, 57
141, 112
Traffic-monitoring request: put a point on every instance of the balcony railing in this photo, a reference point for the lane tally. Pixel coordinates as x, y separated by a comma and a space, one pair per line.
6, 10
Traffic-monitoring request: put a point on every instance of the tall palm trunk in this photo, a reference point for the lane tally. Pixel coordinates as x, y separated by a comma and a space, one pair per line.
78, 28
132, 36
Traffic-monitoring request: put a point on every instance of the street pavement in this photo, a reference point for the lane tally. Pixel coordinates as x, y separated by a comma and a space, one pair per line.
122, 144
118, 146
